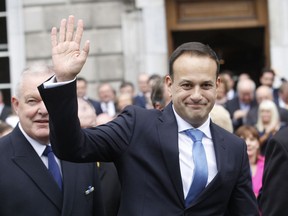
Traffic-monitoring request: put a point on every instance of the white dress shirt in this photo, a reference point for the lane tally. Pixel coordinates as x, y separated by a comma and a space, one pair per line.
185, 145
39, 149
109, 108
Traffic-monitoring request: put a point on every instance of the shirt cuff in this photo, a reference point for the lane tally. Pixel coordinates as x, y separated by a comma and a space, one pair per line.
52, 83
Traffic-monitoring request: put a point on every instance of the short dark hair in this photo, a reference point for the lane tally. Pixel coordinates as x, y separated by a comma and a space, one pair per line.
194, 48
246, 130
126, 83
227, 72
267, 70
78, 78
157, 93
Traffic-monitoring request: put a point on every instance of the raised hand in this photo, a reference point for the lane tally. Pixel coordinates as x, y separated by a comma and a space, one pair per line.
67, 57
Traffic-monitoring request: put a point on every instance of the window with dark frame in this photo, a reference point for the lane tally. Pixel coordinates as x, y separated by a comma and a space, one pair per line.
5, 82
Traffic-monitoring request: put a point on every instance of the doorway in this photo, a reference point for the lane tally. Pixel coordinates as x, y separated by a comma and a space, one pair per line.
237, 30
239, 50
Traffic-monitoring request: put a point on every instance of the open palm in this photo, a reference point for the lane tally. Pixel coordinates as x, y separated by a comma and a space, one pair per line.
67, 57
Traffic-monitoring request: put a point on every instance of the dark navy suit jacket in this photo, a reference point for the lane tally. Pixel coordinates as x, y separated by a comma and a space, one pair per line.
110, 187
28, 189
140, 100
143, 144
274, 189
234, 105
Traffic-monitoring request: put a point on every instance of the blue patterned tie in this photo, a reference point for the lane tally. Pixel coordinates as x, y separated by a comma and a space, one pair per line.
200, 166
53, 166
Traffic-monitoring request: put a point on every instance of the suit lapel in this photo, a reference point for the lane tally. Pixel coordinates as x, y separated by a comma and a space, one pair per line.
27, 159
168, 133
219, 146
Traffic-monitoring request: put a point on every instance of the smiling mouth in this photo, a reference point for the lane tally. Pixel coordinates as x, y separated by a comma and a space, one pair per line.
195, 105
42, 121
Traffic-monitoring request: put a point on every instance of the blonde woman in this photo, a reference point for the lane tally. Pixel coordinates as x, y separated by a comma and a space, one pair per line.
268, 122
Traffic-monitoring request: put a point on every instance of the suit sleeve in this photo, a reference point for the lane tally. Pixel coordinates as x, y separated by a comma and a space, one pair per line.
273, 199
70, 142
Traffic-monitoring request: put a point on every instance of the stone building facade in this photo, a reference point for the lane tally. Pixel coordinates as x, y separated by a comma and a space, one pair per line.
127, 37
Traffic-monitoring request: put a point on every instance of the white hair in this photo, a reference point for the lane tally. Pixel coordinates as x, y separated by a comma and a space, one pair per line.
267, 105
33, 70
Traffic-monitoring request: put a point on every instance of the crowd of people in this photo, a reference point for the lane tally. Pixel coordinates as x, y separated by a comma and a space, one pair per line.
138, 160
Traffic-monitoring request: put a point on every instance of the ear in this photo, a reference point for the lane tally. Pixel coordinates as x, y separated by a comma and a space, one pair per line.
218, 81
169, 82
15, 104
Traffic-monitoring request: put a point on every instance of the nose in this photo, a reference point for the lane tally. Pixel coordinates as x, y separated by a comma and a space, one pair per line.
42, 109
196, 93
248, 143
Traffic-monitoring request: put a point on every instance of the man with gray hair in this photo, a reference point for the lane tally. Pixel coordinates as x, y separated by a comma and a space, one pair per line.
239, 106
34, 181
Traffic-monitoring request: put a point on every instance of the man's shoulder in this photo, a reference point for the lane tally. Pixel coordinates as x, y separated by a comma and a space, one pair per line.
141, 116
281, 137
137, 109
232, 104
233, 100
93, 101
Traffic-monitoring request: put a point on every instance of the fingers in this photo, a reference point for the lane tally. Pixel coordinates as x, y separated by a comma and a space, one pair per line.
62, 30
79, 31
86, 47
70, 28
53, 37
85, 51
66, 31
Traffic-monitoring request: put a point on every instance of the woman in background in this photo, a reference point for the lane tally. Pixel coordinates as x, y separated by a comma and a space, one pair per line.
256, 161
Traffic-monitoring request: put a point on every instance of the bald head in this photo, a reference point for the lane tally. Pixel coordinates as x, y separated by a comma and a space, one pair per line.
264, 92
246, 89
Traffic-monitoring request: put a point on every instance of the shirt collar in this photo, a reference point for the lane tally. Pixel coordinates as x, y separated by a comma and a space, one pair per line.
38, 147
184, 125
244, 106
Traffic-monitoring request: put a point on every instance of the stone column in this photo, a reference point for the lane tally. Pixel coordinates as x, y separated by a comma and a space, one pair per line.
16, 45
278, 22
144, 39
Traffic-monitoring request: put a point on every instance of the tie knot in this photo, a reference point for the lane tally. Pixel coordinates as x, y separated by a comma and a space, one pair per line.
47, 150
195, 135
